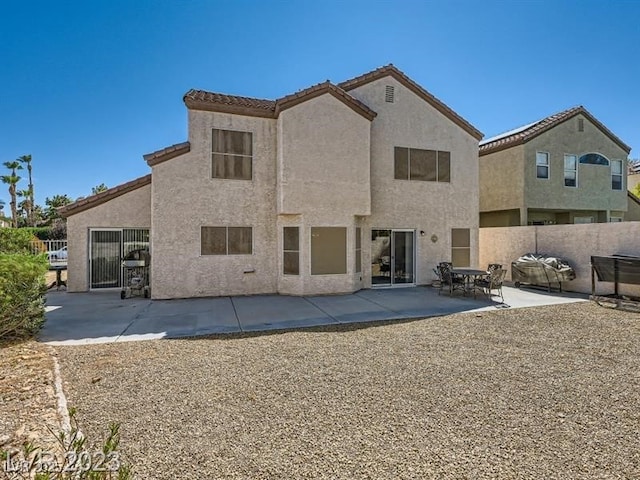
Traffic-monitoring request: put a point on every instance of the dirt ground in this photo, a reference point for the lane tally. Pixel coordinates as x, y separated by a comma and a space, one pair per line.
27, 394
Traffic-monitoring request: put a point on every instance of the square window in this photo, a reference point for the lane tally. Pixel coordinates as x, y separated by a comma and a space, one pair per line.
213, 241
328, 250
240, 241
231, 154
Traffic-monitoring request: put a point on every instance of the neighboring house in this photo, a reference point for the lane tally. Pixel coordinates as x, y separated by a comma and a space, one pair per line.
566, 168
338, 187
4, 223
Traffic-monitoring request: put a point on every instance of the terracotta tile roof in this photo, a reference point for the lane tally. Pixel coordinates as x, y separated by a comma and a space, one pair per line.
166, 153
219, 102
524, 134
102, 197
392, 71
320, 89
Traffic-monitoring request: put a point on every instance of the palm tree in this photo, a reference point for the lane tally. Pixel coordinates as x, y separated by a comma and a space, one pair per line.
26, 160
25, 205
12, 180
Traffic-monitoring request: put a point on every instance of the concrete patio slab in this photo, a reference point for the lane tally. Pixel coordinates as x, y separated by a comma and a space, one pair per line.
97, 317
274, 312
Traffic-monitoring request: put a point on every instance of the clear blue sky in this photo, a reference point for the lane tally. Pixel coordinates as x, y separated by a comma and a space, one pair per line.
88, 87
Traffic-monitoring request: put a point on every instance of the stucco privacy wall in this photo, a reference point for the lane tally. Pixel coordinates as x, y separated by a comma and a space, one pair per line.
432, 207
574, 243
323, 180
130, 210
186, 197
594, 181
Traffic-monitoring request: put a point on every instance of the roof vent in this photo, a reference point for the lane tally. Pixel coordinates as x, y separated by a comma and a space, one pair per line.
389, 94
581, 124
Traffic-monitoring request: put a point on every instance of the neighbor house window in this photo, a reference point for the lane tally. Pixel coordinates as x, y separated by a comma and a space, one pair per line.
328, 250
542, 165
358, 250
460, 247
570, 171
615, 219
291, 251
594, 159
231, 154
226, 241
616, 174
423, 165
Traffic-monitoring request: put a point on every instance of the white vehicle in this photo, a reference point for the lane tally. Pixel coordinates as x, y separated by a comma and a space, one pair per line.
58, 254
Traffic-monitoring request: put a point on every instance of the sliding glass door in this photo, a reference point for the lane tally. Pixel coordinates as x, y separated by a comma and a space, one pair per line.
107, 248
392, 257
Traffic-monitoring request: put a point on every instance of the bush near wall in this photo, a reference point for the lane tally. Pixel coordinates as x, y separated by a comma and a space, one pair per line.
22, 285
15, 240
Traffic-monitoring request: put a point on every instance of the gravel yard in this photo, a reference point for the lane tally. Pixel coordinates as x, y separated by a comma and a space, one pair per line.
548, 392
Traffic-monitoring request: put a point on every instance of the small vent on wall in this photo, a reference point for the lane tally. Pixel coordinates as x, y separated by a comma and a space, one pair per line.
581, 124
389, 94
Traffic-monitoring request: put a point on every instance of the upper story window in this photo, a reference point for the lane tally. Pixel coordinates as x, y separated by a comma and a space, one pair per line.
594, 159
542, 165
423, 165
616, 174
570, 171
231, 154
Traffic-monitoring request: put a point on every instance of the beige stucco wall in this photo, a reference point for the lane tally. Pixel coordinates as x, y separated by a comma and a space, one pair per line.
633, 211
502, 180
632, 181
594, 181
185, 198
131, 210
432, 207
323, 180
574, 243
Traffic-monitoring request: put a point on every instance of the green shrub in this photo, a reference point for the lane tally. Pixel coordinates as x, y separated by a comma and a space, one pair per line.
41, 233
22, 289
15, 240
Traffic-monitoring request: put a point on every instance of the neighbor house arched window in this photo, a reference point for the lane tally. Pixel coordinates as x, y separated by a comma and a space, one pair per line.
594, 159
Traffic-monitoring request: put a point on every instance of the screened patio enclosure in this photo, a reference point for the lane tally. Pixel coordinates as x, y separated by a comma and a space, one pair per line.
107, 248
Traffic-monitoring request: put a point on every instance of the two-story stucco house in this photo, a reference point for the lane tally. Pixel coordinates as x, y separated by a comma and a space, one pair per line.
367, 183
566, 168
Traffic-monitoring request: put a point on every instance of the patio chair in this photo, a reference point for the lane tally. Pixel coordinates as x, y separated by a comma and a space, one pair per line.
448, 280
491, 282
493, 266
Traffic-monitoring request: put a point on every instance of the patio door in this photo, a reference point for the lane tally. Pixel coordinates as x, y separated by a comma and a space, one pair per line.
105, 255
107, 247
393, 255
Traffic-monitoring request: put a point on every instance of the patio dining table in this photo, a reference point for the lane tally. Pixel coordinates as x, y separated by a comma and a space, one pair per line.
469, 276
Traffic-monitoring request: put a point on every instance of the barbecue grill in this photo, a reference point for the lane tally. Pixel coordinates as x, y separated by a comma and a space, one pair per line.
136, 274
541, 270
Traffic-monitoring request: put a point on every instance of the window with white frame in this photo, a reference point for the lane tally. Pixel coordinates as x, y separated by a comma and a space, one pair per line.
616, 174
570, 171
542, 165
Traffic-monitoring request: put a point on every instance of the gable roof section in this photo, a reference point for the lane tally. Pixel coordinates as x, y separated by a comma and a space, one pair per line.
391, 71
256, 107
524, 134
320, 89
633, 197
103, 197
167, 153
219, 102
